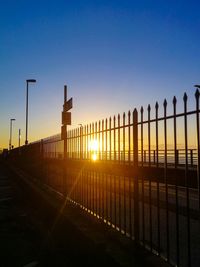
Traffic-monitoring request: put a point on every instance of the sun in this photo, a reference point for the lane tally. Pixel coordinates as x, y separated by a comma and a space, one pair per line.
93, 147
94, 156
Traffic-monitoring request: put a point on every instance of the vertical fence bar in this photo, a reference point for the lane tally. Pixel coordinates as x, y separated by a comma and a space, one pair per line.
74, 174
119, 177
111, 176
115, 191
124, 155
149, 163
129, 178
87, 180
93, 186
191, 157
106, 175
166, 178
99, 175
187, 179
158, 185
176, 184
77, 157
96, 180
136, 184
103, 192
198, 143
79, 171
85, 171
142, 163
90, 175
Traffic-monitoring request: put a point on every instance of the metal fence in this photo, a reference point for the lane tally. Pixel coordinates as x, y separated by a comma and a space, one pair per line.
140, 176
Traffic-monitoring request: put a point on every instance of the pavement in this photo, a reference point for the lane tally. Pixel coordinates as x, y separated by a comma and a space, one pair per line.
38, 228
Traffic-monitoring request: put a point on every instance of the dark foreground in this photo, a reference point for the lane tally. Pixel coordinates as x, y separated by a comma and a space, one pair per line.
37, 229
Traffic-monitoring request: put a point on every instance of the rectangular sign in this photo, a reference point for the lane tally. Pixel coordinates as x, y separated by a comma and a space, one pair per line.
67, 105
66, 118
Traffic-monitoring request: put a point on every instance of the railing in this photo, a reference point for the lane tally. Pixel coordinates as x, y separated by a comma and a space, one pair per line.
133, 175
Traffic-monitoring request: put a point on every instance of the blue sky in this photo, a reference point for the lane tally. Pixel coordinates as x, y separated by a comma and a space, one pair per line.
113, 55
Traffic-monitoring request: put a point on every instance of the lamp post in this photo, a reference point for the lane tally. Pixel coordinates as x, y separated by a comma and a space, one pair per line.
27, 83
19, 138
197, 86
10, 143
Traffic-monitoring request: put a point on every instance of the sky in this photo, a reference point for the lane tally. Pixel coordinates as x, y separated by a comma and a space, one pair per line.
114, 55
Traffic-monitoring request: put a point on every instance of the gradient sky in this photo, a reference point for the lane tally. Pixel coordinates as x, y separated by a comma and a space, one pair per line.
113, 55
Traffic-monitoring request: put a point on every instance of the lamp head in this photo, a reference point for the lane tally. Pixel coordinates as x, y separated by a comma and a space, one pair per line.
31, 81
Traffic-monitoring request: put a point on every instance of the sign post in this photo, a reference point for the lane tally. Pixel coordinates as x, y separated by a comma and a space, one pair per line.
66, 120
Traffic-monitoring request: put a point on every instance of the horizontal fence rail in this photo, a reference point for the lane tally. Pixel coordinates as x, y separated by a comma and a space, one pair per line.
138, 174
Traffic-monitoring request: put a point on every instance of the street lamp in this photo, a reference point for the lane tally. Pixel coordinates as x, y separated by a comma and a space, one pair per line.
27, 83
10, 143
197, 86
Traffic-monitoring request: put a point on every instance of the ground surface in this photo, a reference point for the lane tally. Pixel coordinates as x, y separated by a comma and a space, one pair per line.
33, 232
28, 237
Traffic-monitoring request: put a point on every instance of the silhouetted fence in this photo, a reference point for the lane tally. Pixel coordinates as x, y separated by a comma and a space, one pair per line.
140, 176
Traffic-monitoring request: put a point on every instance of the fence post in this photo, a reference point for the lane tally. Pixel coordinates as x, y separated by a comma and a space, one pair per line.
136, 185
65, 151
176, 157
191, 157
154, 157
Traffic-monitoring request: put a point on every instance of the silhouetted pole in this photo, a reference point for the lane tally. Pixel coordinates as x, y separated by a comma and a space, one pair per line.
27, 83
19, 138
10, 143
65, 139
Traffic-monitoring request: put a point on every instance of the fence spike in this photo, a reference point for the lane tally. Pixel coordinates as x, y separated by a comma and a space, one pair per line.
134, 111
197, 94
174, 100
118, 117
99, 125
156, 106
129, 113
165, 103
185, 97
110, 122
142, 109
124, 115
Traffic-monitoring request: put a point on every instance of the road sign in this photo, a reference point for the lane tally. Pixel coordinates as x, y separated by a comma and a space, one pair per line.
67, 105
66, 118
